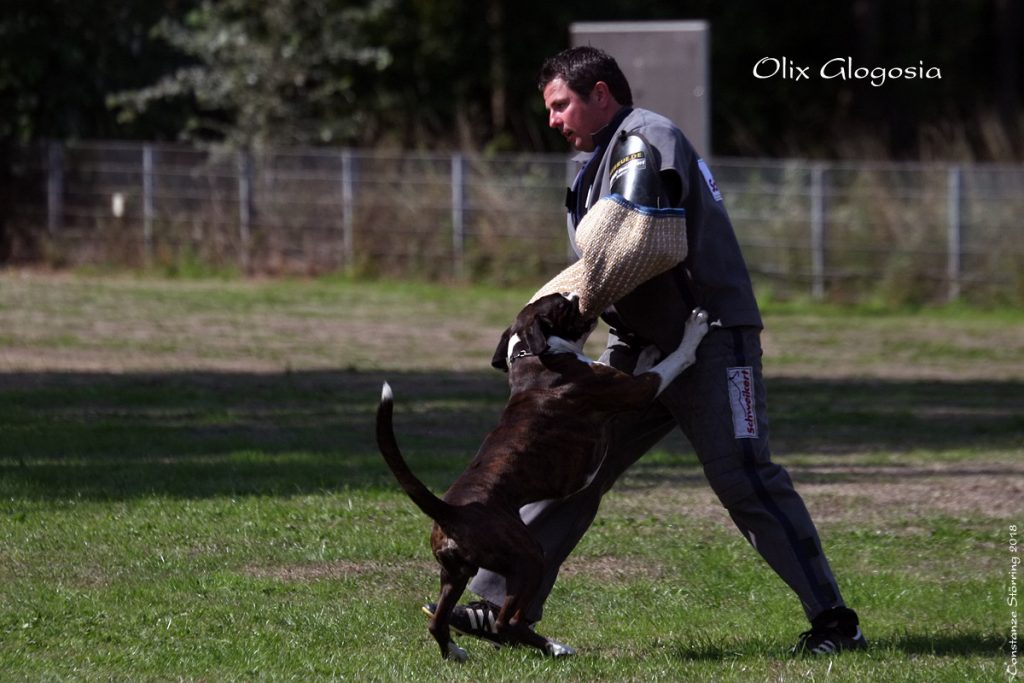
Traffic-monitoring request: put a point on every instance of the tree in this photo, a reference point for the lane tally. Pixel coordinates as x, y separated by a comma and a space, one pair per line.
282, 71
444, 73
60, 58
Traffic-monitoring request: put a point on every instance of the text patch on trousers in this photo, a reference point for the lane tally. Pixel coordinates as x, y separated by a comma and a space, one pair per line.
741, 398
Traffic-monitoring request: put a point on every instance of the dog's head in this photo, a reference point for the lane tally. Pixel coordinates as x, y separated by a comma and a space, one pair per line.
554, 315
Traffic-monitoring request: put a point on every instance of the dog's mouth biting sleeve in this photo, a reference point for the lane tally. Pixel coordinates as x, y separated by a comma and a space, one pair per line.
622, 245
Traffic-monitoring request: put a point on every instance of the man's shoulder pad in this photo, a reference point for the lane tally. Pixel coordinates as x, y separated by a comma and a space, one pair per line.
633, 171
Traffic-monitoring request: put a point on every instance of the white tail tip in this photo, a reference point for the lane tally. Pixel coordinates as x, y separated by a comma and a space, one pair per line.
386, 394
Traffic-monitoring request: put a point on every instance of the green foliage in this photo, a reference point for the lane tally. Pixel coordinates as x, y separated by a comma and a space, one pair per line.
289, 71
444, 73
59, 59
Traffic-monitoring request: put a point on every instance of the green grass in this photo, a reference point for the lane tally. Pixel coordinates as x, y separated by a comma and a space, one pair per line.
189, 489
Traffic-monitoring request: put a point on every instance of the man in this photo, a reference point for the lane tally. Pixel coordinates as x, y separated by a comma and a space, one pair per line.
720, 402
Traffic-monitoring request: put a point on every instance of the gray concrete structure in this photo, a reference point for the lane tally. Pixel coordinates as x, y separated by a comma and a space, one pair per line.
668, 67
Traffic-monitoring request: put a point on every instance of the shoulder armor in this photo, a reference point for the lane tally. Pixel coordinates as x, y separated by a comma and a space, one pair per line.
634, 171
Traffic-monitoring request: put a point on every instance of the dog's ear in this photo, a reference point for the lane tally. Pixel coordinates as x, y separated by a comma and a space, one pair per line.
500, 359
534, 337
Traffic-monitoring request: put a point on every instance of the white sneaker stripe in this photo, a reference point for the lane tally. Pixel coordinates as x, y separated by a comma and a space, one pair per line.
472, 618
490, 617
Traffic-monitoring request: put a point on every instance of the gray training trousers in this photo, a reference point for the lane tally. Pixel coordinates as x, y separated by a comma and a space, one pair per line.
719, 403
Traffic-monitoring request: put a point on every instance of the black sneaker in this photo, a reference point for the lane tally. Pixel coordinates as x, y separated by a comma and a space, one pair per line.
478, 619
475, 619
836, 630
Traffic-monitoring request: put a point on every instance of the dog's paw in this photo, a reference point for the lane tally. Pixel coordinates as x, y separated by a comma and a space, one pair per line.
557, 649
456, 653
698, 323
647, 359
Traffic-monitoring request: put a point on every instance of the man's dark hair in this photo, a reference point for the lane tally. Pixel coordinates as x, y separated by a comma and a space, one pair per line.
581, 68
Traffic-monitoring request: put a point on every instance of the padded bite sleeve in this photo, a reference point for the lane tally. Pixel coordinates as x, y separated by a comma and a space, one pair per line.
622, 245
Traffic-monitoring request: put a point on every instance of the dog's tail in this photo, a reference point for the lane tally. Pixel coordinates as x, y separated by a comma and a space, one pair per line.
432, 506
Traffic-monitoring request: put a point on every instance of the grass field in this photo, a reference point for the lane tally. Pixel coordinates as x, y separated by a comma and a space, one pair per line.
189, 489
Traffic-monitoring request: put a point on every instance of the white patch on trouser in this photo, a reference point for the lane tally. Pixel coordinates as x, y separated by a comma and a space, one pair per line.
741, 399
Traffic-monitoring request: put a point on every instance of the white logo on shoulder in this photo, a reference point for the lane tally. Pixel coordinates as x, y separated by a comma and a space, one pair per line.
741, 398
710, 180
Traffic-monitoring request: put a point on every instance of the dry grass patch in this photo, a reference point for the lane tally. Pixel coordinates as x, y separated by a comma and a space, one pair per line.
611, 568
335, 570
849, 493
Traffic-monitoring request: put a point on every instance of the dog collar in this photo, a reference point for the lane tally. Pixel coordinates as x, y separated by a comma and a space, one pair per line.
519, 354
516, 349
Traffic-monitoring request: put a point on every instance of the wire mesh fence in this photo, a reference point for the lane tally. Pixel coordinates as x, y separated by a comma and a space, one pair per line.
842, 231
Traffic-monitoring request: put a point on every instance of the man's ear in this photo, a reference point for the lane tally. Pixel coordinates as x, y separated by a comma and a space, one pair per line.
500, 359
601, 95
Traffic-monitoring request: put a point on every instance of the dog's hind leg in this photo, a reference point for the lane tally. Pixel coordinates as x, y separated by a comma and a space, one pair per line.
452, 586
522, 586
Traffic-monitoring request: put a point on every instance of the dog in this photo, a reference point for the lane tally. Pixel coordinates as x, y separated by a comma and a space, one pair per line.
546, 446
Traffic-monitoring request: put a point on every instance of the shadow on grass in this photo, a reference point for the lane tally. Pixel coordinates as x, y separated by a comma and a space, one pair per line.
953, 645
199, 434
957, 645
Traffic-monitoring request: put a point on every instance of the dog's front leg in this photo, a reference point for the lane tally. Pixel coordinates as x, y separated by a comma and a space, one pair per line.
686, 354
647, 359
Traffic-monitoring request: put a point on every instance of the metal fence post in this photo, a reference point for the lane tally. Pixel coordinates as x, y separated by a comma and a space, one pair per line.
954, 232
818, 231
348, 218
244, 207
54, 187
458, 214
147, 202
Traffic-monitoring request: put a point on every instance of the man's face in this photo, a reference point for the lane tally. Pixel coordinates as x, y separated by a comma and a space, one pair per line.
578, 118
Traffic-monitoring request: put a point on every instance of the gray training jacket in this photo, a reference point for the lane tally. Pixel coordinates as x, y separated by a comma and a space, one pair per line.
714, 274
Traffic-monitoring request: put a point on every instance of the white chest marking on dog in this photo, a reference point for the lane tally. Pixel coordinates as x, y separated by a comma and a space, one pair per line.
559, 345
512, 341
